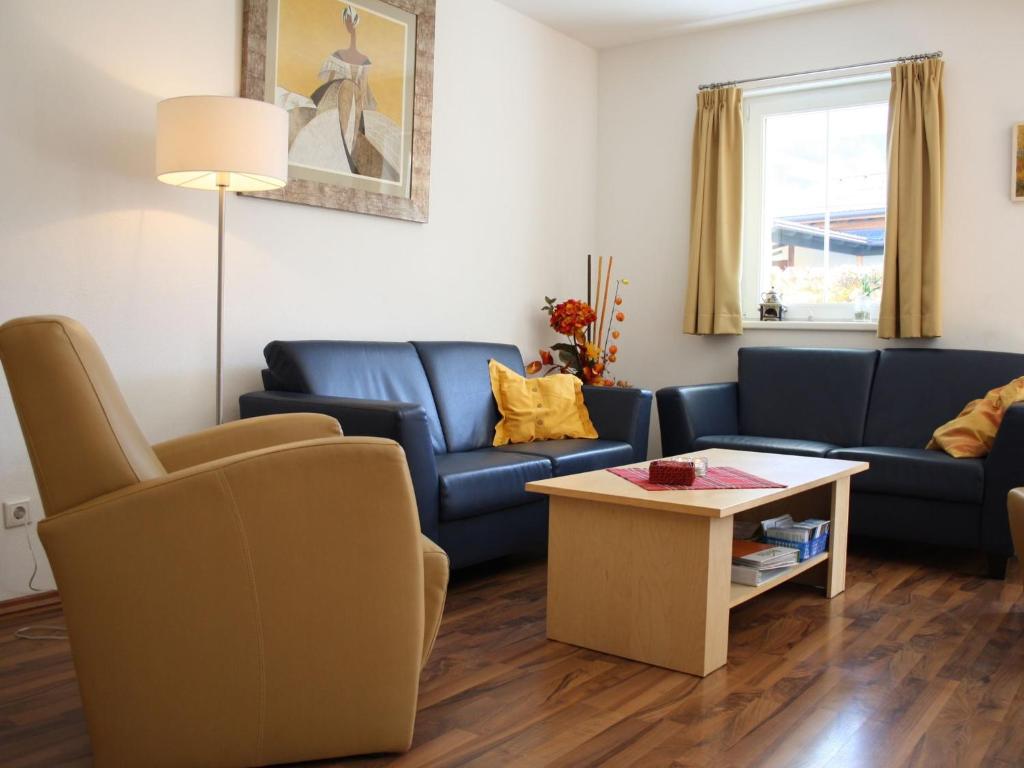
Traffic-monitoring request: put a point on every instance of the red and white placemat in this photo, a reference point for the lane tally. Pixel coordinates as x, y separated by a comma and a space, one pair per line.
717, 478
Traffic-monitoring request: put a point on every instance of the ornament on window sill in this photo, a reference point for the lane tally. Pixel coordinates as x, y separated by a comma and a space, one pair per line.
771, 307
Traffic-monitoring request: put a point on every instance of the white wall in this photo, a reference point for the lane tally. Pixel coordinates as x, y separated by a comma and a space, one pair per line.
86, 231
646, 112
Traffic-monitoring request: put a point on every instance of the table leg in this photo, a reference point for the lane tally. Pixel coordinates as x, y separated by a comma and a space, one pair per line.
645, 584
839, 519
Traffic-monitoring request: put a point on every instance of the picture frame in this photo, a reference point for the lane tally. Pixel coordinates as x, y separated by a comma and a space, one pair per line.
359, 106
1017, 164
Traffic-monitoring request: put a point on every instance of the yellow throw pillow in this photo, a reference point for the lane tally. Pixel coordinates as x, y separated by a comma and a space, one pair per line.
548, 408
971, 434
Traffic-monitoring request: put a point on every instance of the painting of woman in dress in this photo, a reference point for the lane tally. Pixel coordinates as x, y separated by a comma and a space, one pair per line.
344, 76
1018, 163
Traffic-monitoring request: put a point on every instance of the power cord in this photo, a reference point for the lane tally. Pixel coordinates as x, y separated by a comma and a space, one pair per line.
40, 632
35, 561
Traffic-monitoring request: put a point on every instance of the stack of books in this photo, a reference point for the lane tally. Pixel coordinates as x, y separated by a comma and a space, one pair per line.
783, 528
754, 563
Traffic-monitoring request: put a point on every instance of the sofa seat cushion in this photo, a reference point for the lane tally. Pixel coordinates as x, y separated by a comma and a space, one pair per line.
570, 457
917, 472
765, 444
477, 482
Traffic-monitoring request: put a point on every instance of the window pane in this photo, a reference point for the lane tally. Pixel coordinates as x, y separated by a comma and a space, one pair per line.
856, 196
796, 183
824, 207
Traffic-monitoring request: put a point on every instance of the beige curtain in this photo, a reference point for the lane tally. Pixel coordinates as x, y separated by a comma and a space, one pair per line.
716, 213
911, 290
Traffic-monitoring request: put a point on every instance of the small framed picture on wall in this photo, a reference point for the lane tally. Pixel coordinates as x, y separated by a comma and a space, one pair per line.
1017, 190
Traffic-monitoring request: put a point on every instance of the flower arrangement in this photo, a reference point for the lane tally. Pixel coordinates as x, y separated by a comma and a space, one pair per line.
590, 348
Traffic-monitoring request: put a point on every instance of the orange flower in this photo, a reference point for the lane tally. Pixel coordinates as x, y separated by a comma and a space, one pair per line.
611, 358
546, 358
598, 367
570, 316
618, 300
620, 316
615, 334
612, 349
533, 367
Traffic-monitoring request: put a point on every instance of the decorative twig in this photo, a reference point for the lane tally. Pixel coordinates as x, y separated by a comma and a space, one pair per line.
604, 303
611, 319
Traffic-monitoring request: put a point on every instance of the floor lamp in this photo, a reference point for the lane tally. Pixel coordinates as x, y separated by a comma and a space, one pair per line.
227, 144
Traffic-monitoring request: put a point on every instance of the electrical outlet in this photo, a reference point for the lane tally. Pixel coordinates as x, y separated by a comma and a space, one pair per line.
17, 512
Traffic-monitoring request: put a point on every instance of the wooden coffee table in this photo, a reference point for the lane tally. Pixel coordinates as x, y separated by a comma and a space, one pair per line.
647, 574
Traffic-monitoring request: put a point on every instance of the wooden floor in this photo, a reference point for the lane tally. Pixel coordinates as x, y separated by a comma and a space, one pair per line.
919, 663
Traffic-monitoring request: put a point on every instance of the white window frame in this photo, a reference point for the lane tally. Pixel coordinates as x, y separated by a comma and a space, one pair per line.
758, 104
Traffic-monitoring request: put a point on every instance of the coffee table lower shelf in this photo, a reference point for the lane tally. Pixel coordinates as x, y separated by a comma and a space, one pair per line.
740, 593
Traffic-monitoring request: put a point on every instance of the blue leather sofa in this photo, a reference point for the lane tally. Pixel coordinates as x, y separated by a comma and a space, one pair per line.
434, 398
874, 406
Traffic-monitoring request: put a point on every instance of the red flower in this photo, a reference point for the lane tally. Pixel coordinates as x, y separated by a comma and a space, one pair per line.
572, 315
546, 358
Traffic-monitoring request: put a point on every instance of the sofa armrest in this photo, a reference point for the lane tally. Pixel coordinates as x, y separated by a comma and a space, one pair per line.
621, 413
686, 413
405, 423
1004, 471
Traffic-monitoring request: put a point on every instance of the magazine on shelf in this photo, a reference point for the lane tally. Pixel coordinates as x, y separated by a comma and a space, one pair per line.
754, 577
745, 529
762, 556
786, 529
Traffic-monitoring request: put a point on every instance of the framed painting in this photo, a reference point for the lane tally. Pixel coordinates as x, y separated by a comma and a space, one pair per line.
1017, 191
356, 79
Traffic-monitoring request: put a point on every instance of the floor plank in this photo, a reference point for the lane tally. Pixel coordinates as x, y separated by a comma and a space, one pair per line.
919, 663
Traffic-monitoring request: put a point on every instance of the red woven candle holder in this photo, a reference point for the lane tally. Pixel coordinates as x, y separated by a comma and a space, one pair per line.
672, 472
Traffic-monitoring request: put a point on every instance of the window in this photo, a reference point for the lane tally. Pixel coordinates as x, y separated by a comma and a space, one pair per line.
814, 199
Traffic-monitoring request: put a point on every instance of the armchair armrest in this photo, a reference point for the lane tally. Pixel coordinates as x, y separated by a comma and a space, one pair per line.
255, 603
621, 413
1015, 508
1004, 471
243, 436
405, 423
686, 413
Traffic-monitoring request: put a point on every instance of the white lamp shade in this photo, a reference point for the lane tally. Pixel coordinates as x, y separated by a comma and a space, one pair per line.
207, 142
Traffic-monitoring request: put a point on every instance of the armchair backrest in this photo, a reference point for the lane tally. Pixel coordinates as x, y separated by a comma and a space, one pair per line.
82, 439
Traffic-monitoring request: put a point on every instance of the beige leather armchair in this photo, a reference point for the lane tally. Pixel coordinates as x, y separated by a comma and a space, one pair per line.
1015, 506
256, 593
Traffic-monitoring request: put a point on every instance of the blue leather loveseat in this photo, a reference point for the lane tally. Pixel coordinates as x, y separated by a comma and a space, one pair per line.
434, 398
874, 406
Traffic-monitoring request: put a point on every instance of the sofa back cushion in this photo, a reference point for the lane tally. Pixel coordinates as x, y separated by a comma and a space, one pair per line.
461, 383
918, 390
805, 394
369, 370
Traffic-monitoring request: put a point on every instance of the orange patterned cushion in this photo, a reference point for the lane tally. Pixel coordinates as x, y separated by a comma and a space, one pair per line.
971, 434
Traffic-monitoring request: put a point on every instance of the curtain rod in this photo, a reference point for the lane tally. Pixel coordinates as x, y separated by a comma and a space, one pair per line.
898, 60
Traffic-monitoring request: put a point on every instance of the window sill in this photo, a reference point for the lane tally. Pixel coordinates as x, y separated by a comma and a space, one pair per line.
810, 325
